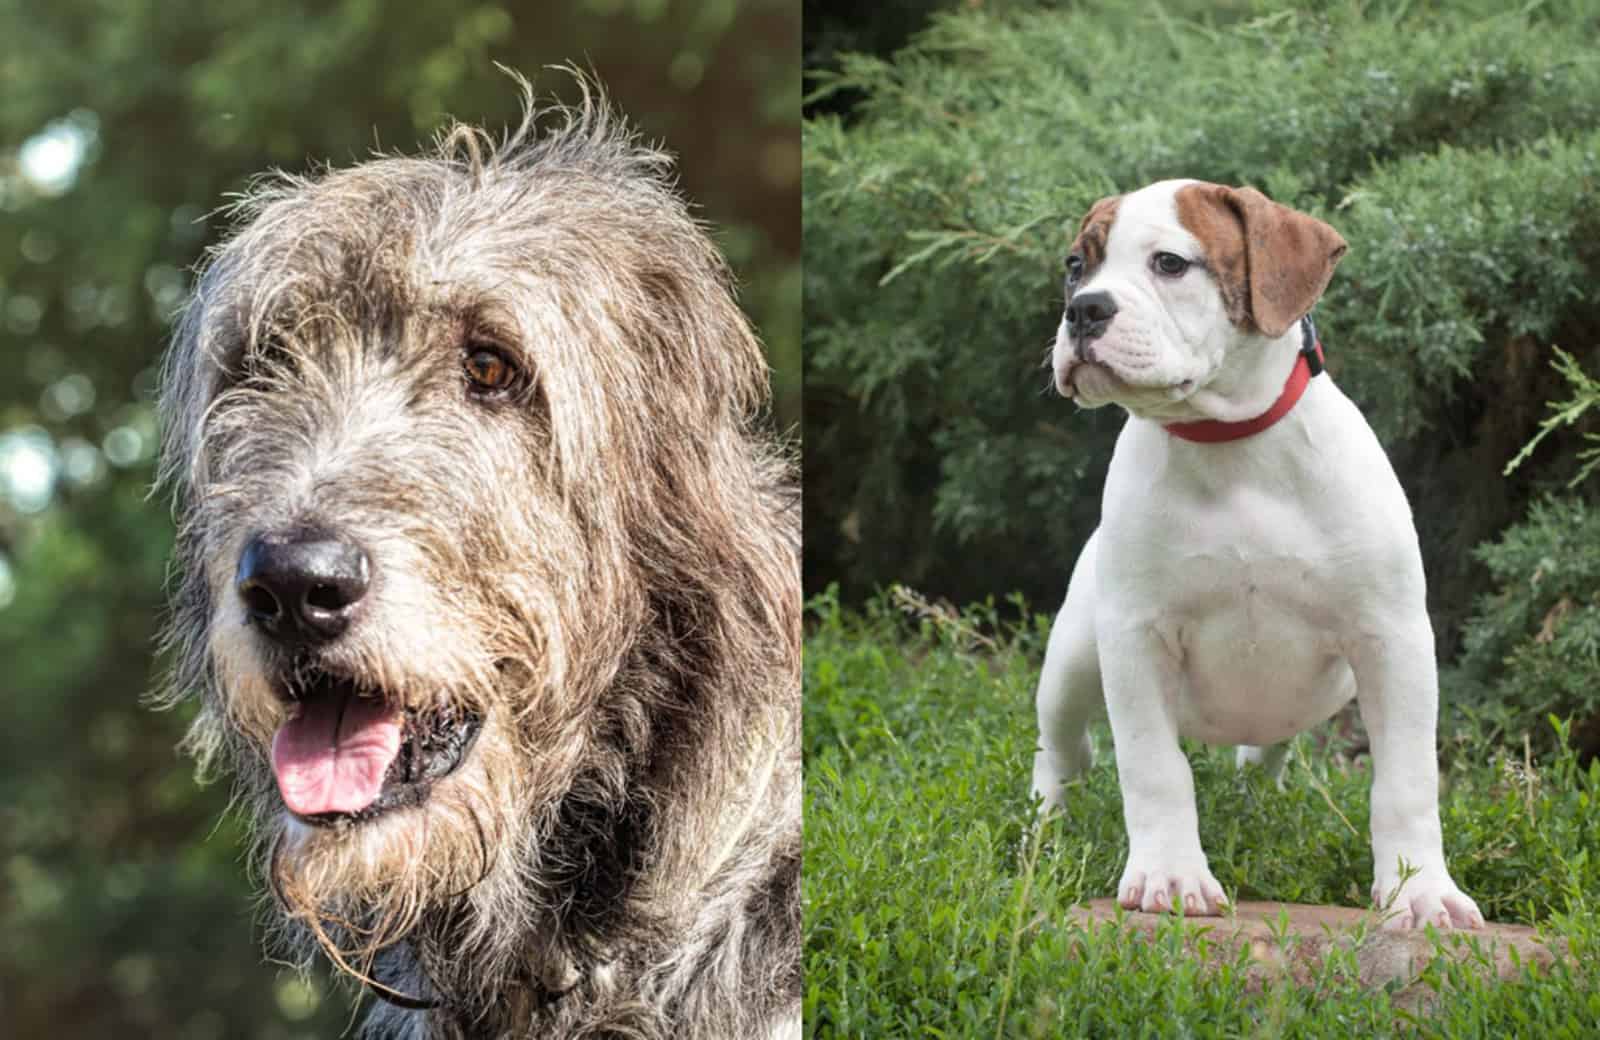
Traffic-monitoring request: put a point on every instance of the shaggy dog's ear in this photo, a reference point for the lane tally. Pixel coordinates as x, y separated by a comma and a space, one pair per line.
705, 340
190, 379
185, 388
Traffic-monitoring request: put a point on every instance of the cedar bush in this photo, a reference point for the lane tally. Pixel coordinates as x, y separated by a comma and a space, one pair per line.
1451, 144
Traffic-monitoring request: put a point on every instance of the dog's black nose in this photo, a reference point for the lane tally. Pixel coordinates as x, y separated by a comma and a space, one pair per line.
302, 585
1089, 313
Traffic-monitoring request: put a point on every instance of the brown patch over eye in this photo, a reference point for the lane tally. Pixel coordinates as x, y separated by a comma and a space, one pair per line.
1089, 247
488, 370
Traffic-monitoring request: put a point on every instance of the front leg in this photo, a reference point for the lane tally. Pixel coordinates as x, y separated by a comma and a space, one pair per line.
1166, 866
1397, 689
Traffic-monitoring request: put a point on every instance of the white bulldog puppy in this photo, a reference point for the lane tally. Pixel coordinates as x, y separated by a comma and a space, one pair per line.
1256, 565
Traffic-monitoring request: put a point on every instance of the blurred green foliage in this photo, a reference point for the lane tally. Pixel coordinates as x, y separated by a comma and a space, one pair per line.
1533, 644
124, 910
835, 28
1453, 145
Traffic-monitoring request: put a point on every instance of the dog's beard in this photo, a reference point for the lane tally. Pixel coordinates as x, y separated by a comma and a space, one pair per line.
481, 736
359, 886
449, 827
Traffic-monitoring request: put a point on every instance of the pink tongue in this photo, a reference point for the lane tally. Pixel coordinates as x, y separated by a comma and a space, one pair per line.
333, 756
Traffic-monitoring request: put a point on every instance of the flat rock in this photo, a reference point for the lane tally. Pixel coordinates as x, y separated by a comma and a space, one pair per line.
1294, 940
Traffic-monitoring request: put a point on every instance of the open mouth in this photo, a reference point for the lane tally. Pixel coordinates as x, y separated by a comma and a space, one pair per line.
348, 754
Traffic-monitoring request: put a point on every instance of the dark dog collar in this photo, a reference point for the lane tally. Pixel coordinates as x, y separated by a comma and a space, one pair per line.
1308, 365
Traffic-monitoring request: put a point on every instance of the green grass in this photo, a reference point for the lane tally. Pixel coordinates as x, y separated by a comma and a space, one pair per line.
931, 911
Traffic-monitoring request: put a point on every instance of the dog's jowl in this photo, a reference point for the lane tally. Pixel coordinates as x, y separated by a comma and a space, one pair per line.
488, 584
1256, 565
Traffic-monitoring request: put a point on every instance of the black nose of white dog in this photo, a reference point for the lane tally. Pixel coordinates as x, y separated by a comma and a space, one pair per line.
302, 585
1088, 315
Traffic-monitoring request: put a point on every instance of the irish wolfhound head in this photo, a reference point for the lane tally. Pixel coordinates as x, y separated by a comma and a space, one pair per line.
487, 582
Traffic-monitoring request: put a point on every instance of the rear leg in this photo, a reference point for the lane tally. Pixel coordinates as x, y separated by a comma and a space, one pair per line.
1270, 759
1070, 694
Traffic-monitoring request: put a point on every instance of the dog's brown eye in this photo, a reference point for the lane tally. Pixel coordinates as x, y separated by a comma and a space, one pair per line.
1170, 264
488, 370
1074, 269
261, 357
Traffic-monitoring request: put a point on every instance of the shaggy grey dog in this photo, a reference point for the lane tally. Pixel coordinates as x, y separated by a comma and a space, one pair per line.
488, 583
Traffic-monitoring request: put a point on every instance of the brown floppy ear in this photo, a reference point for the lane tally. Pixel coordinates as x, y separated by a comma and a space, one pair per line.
1271, 261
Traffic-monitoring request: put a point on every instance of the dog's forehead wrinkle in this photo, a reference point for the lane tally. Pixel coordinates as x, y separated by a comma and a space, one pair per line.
1148, 220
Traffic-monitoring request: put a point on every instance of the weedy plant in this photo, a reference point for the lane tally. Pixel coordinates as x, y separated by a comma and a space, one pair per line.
932, 909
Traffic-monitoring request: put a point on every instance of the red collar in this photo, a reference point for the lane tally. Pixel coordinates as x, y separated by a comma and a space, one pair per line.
1213, 431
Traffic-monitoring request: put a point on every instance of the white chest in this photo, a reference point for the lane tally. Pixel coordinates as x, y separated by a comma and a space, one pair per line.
1255, 585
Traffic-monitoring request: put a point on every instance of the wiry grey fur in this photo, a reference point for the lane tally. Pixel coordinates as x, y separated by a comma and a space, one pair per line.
606, 568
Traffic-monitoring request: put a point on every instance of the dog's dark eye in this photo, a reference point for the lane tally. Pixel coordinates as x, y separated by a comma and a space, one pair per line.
1074, 269
1170, 264
488, 370
258, 358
